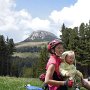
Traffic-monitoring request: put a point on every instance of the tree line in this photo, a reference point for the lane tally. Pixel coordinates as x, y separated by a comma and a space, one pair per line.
28, 49
6, 51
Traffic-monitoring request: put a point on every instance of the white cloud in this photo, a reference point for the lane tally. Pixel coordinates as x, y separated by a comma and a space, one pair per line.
19, 24
73, 15
38, 24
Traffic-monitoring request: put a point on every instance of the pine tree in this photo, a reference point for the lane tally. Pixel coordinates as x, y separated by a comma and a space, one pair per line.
73, 38
3, 55
65, 36
10, 46
10, 49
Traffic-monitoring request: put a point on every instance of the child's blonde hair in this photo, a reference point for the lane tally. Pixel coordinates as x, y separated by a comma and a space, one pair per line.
71, 53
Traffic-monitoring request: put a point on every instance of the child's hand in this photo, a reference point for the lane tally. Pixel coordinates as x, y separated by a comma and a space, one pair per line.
68, 74
81, 75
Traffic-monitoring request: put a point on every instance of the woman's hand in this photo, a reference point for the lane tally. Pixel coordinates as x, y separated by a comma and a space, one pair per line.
85, 84
69, 83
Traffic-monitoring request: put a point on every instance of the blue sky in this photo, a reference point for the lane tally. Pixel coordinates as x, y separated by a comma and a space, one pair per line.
42, 8
19, 18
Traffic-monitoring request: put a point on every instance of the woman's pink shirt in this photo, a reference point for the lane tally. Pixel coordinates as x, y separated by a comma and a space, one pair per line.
56, 61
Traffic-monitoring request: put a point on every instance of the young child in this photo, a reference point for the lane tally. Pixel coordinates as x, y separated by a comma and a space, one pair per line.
67, 68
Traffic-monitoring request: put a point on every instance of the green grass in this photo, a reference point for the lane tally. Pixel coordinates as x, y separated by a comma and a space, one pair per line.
13, 83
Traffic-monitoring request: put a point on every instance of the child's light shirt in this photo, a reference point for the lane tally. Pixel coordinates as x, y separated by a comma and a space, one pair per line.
65, 68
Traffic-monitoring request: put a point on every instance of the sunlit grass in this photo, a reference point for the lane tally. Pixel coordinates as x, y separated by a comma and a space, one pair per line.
13, 83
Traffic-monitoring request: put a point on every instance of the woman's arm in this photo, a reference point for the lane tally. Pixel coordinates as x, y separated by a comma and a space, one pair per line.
49, 74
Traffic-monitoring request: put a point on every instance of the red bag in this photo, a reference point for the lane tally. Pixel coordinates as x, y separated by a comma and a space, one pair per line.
42, 77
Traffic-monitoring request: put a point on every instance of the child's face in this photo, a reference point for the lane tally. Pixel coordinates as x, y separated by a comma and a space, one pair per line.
69, 59
59, 49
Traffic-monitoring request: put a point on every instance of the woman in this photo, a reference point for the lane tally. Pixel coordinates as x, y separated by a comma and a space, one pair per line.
53, 78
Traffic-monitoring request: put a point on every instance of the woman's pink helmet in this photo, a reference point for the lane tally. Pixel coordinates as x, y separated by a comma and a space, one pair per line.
51, 45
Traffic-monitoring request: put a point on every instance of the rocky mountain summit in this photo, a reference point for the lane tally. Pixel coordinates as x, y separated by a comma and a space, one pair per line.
40, 35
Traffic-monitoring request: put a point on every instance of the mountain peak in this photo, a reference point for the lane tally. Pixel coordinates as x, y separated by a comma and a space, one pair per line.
40, 35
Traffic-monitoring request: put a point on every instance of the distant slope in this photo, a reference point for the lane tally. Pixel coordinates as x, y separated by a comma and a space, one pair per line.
30, 44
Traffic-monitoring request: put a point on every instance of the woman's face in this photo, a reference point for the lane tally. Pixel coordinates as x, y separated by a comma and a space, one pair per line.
59, 49
69, 59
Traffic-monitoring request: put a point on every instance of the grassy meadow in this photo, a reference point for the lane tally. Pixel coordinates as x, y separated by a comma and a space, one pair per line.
13, 83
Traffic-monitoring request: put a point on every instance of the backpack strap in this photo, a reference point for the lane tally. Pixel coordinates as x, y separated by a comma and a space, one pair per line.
56, 77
